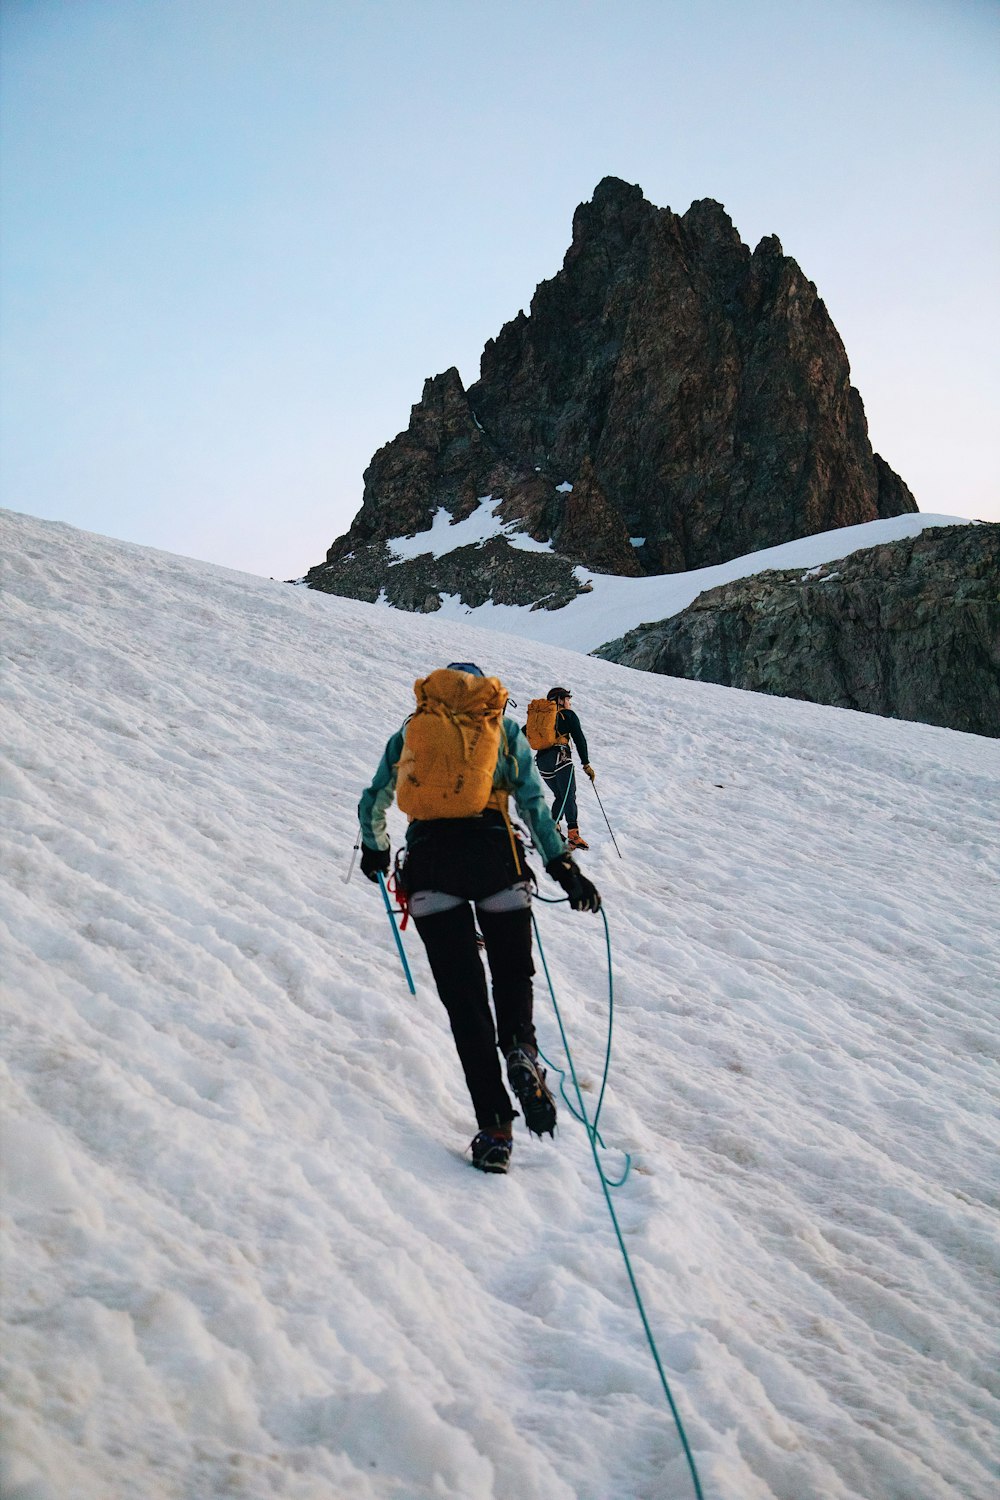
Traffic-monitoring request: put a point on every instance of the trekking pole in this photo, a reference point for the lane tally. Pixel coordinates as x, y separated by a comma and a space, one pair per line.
350, 868
395, 931
601, 805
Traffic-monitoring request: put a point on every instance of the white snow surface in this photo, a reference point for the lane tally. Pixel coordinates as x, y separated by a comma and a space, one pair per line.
244, 1254
614, 604
444, 534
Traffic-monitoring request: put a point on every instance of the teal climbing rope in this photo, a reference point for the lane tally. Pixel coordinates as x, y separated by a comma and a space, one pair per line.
592, 1136
589, 1125
557, 816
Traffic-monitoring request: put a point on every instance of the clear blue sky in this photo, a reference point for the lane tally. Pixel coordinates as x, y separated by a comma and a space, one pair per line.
238, 234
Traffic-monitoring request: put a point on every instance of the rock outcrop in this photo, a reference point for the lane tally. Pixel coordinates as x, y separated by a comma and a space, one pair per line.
670, 402
909, 630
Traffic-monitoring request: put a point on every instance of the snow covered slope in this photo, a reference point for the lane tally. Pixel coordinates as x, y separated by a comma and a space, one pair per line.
243, 1253
615, 605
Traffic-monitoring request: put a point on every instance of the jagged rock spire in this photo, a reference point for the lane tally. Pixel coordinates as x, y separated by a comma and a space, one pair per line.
701, 393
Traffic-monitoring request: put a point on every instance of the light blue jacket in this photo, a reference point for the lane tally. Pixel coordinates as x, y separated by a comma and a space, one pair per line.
515, 772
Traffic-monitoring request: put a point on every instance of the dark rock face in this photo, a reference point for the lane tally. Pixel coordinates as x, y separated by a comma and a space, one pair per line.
909, 630
494, 571
695, 396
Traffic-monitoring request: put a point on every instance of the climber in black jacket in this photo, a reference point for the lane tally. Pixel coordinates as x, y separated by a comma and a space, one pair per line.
556, 767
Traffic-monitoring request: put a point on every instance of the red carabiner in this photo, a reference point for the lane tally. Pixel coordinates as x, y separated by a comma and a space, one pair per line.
400, 897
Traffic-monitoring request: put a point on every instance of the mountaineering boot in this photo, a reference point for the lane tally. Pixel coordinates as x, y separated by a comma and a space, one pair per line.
575, 841
490, 1152
527, 1080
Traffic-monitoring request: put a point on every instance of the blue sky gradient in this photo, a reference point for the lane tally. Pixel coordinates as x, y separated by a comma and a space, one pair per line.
237, 235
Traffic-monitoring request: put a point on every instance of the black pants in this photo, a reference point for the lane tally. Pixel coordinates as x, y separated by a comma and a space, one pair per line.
453, 953
560, 781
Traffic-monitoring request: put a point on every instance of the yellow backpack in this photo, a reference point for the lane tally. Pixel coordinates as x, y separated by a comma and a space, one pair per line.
451, 745
540, 730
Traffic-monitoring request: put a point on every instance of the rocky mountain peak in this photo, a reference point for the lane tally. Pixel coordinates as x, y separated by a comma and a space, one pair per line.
610, 222
670, 401
708, 221
442, 411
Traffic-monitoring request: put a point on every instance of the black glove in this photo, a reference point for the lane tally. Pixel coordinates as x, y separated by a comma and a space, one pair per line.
374, 862
583, 894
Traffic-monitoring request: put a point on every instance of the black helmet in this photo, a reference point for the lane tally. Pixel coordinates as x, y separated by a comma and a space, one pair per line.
556, 693
466, 666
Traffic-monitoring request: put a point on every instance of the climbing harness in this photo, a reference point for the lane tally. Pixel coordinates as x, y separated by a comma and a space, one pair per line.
593, 1137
